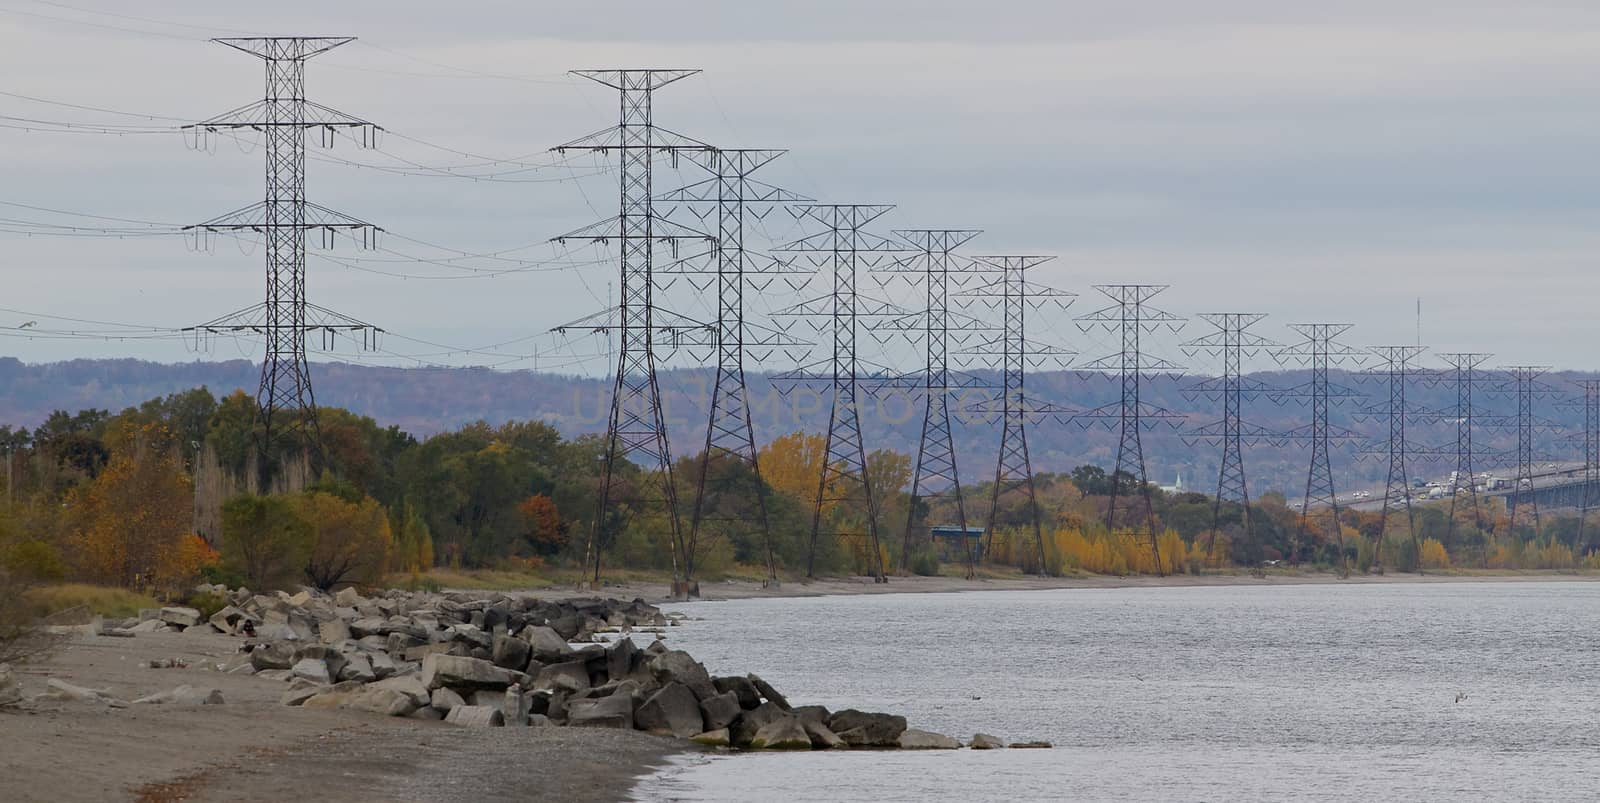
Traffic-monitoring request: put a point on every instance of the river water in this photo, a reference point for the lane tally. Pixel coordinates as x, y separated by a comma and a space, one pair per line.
1248, 693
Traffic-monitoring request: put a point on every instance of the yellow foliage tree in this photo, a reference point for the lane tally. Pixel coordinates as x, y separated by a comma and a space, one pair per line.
350, 541
792, 465
1434, 555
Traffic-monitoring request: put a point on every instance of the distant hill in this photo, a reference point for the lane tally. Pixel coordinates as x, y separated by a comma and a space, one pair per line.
424, 401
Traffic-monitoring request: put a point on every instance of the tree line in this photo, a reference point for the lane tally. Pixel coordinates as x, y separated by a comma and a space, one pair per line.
160, 494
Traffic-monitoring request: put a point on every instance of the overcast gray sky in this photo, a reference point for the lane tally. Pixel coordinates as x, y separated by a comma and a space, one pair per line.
1315, 163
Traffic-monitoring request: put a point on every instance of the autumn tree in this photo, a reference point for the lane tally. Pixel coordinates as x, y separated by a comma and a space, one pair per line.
134, 515
265, 540
546, 531
348, 541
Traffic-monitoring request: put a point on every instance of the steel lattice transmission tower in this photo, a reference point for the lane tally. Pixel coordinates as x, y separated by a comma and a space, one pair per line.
1464, 370
1590, 439
1233, 341
1397, 372
731, 192
934, 259
1014, 465
286, 407
1129, 318
1320, 351
635, 426
1523, 382
844, 248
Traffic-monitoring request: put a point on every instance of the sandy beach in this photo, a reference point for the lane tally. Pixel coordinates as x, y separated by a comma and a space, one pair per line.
253, 749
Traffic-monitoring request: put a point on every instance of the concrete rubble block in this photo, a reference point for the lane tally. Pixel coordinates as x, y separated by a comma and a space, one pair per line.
348, 598
615, 711
517, 707
768, 692
445, 698
783, 733
745, 727
183, 695
299, 691
312, 669
299, 600
621, 658
510, 652
150, 626
57, 689
822, 738
276, 655
742, 688
812, 713
427, 712
915, 739
462, 673
334, 631
984, 741
230, 619
673, 711
369, 626
328, 655
720, 711
677, 666
714, 738
862, 729
181, 617
476, 716
572, 676
383, 666
387, 702
539, 721
409, 685
358, 667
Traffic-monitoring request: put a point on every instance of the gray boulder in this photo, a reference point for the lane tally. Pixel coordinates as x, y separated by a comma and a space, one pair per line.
333, 631
672, 711
1034, 745
459, 672
181, 617
621, 658
984, 741
277, 655
312, 669
812, 713
716, 738
183, 695
476, 716
862, 729
517, 706
511, 652
821, 737
720, 711
677, 666
547, 645
768, 692
615, 711
358, 667
745, 727
571, 676
334, 659
742, 688
409, 685
387, 702
382, 665
914, 739
445, 698
783, 733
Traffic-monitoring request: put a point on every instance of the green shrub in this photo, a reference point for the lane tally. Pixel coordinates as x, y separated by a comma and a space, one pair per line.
925, 564
206, 602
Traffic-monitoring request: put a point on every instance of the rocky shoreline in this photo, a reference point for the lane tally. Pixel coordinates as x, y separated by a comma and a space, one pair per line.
477, 659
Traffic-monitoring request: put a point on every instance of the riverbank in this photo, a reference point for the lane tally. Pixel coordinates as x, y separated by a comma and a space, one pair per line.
253, 748
831, 586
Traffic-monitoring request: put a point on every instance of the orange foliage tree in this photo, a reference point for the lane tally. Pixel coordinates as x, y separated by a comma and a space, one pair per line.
546, 530
127, 527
